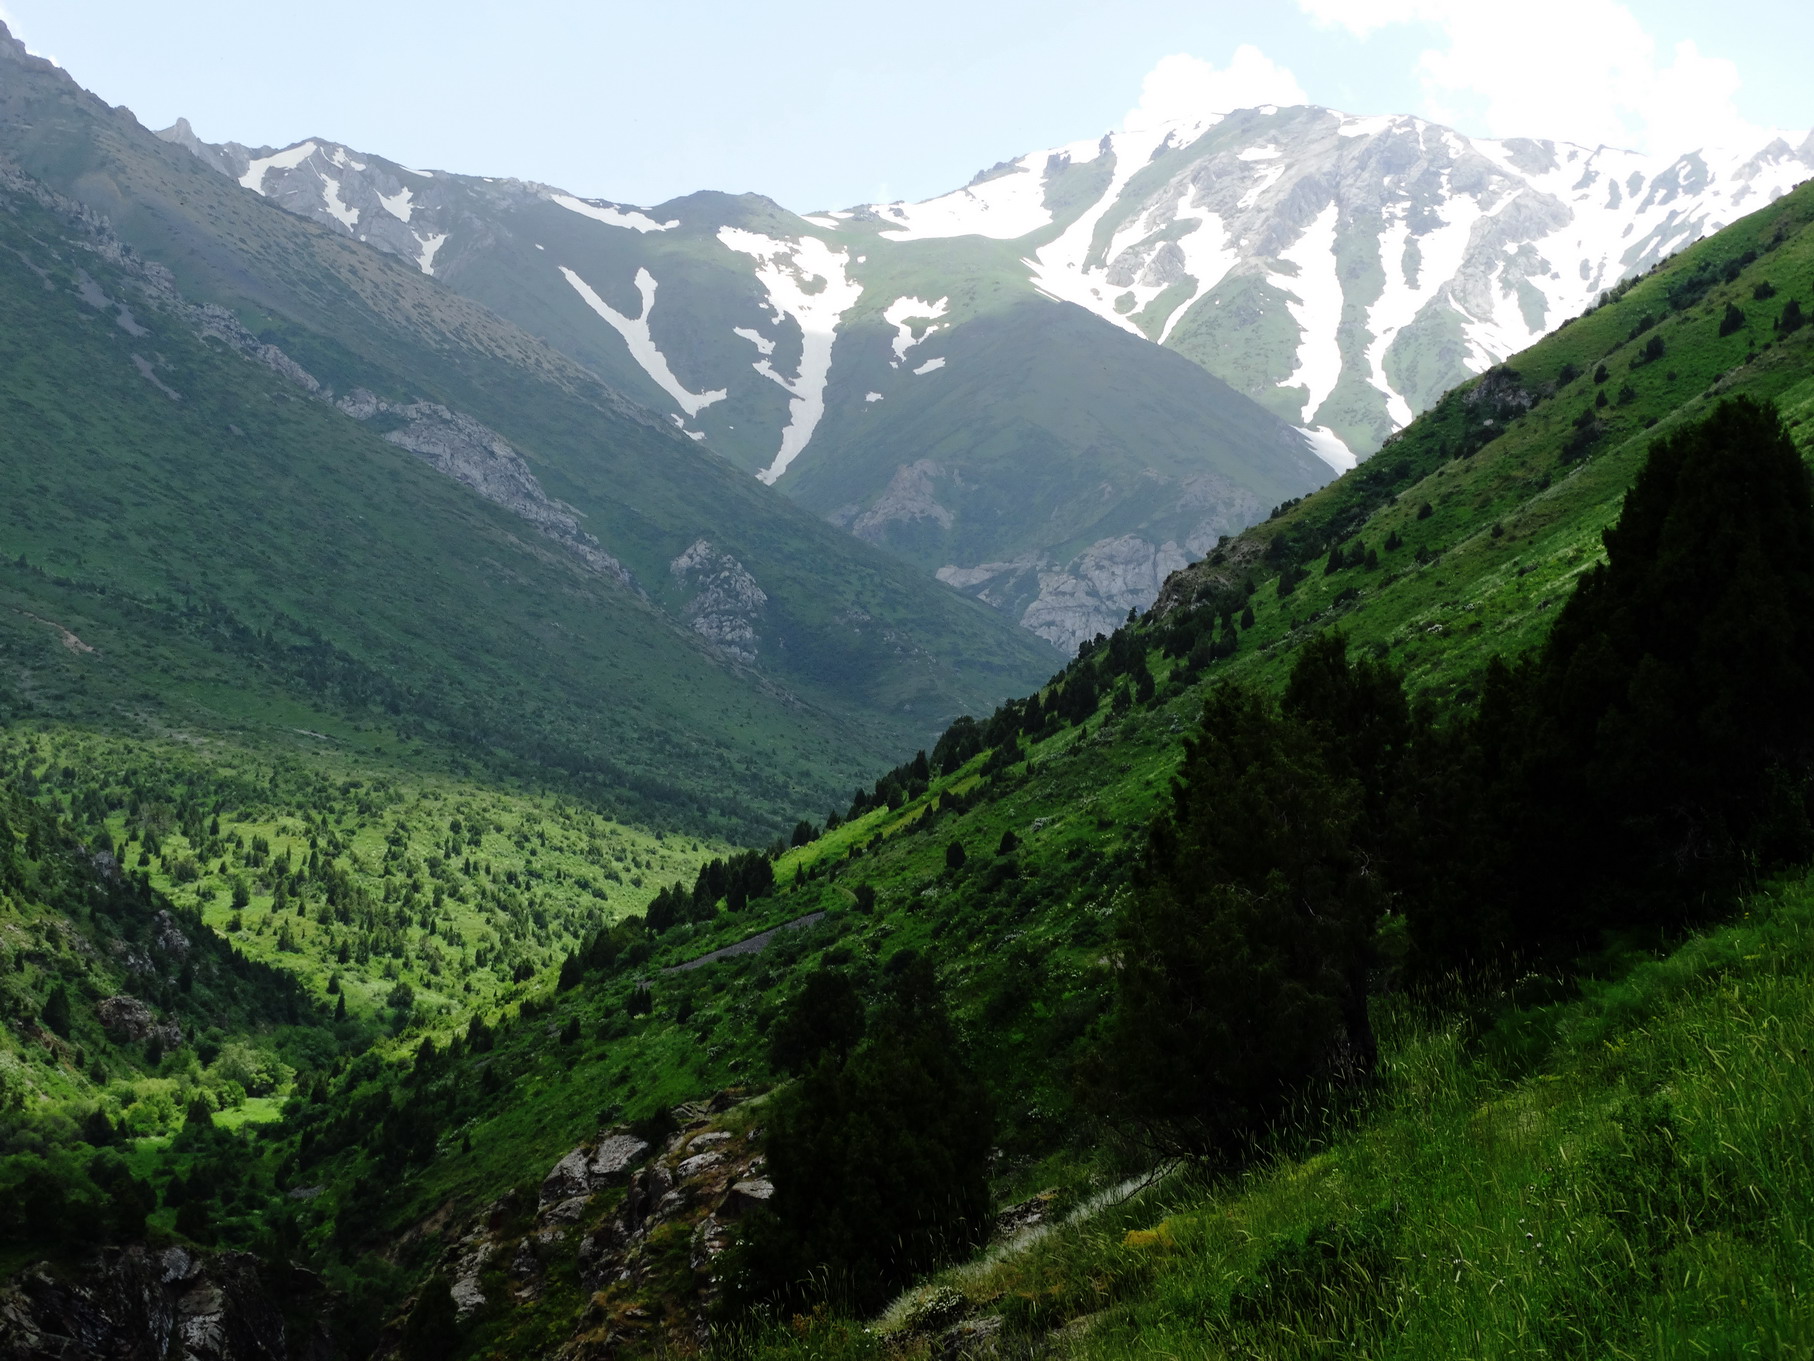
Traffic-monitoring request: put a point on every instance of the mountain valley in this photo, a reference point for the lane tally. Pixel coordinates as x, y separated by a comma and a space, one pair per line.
1195, 746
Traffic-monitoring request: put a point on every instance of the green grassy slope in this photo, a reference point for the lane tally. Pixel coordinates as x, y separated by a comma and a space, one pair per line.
845, 629
1624, 1173
1162, 449
245, 543
1610, 1111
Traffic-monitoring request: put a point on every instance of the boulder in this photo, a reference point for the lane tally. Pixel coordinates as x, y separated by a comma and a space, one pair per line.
126, 1019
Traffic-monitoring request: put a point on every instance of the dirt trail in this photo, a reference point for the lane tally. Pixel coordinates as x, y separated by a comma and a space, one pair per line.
749, 945
70, 641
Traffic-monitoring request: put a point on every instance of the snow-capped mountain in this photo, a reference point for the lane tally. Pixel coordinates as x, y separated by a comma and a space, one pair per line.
1058, 383
1344, 271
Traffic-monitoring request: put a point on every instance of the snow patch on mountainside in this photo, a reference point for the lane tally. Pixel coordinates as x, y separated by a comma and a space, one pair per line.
1003, 208
1328, 446
635, 331
806, 281
337, 207
254, 178
612, 217
931, 366
902, 313
431, 246
398, 204
1314, 299
1209, 257
1499, 241
1060, 268
762, 343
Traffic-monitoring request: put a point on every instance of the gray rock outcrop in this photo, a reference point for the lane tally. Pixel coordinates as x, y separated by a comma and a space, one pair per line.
139, 1305
476, 456
724, 603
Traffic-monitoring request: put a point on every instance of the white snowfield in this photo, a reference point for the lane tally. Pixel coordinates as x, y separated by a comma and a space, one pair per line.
1502, 239
808, 282
338, 209
1010, 205
398, 205
612, 217
635, 331
430, 244
1359, 247
902, 313
1314, 296
1328, 446
1062, 269
288, 159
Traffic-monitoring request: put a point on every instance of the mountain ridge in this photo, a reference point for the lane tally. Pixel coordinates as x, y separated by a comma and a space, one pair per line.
1340, 272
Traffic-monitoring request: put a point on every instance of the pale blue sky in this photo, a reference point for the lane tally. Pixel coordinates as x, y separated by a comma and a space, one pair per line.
826, 104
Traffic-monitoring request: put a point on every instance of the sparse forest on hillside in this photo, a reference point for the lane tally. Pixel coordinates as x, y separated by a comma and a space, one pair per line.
1393, 942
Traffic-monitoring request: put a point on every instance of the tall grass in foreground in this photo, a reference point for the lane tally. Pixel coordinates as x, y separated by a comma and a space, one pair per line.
1627, 1174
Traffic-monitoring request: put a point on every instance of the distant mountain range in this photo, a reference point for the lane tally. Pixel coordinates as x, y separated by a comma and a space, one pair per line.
1254, 299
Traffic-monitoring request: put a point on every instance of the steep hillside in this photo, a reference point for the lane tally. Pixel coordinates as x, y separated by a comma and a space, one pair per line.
821, 621
206, 543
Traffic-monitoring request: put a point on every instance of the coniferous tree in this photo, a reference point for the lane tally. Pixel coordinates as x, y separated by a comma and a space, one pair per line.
880, 1163
824, 1018
56, 1010
1245, 950
432, 1331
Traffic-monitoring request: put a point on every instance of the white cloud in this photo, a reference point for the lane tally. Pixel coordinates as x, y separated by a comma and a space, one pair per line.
1576, 70
1183, 88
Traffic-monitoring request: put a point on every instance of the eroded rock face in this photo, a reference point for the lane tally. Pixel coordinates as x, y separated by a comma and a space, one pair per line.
137, 1305
476, 456
725, 603
615, 1208
912, 494
1094, 594
1071, 604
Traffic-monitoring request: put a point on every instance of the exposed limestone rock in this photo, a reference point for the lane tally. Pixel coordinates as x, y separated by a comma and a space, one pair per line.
910, 495
725, 603
476, 456
168, 935
614, 1208
588, 1170
1073, 603
1096, 592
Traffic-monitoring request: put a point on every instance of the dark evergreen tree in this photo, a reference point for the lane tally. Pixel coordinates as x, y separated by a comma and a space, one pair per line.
56, 1010
824, 1018
432, 1331
880, 1164
1245, 950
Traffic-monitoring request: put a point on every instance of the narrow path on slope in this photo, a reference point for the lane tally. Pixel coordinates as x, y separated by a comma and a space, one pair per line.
747, 946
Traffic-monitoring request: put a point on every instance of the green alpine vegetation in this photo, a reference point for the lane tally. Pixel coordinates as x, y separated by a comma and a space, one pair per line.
1395, 942
411, 515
